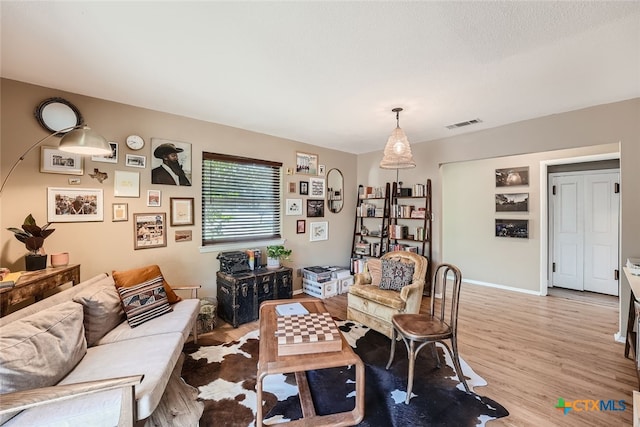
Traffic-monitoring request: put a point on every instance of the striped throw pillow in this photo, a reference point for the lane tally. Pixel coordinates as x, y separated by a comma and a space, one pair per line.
145, 301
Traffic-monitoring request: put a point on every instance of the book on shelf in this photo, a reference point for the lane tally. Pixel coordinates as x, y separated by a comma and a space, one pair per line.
291, 309
9, 280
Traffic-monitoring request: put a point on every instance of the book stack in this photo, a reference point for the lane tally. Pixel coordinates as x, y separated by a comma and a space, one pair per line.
9, 280
291, 309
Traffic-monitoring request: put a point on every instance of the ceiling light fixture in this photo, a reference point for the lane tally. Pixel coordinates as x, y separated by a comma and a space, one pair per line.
77, 139
397, 152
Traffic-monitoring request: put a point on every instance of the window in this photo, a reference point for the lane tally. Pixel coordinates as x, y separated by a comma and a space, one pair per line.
240, 199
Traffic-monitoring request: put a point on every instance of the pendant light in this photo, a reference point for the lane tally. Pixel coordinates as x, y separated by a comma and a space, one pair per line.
397, 152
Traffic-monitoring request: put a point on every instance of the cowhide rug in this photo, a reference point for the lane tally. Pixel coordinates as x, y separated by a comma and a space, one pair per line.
225, 376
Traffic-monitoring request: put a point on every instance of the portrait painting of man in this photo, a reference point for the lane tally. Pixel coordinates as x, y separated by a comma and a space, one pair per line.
171, 162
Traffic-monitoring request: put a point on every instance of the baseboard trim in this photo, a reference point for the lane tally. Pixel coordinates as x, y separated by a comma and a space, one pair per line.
506, 288
617, 337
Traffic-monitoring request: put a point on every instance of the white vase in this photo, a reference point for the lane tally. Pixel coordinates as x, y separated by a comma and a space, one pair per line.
273, 263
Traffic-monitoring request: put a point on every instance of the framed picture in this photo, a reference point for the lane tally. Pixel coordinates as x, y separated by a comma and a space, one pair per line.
74, 204
321, 170
315, 208
292, 187
318, 231
301, 226
307, 163
53, 160
512, 202
183, 235
171, 162
109, 158
154, 198
512, 176
294, 207
512, 228
181, 210
304, 188
149, 230
126, 184
120, 212
316, 187
135, 161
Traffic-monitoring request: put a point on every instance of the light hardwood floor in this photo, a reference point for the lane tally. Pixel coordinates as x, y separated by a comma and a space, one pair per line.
533, 350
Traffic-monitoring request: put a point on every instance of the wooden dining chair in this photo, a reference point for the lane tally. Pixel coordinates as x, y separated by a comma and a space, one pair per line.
419, 330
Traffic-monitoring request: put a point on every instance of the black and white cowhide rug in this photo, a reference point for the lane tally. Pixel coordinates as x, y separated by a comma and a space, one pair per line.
225, 376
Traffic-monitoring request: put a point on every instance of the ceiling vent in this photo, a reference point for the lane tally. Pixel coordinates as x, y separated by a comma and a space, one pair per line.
461, 124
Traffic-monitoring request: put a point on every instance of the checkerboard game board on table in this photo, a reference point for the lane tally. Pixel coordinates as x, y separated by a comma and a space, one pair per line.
312, 327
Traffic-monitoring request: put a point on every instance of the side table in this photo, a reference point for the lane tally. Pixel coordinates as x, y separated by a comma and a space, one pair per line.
33, 284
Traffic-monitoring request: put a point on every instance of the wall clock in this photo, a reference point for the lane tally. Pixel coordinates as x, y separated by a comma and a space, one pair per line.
135, 142
56, 114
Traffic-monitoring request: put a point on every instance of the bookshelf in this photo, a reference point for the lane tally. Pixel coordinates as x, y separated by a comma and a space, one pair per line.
370, 230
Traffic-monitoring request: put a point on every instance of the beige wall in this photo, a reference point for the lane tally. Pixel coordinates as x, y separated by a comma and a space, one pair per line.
600, 125
104, 246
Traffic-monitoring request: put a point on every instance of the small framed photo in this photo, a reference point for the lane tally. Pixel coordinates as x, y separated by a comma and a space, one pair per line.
301, 226
74, 204
315, 208
126, 184
292, 187
306, 163
508, 177
181, 210
321, 170
149, 230
304, 188
318, 231
135, 161
53, 160
183, 235
294, 207
316, 187
154, 198
109, 158
120, 212
512, 228
512, 202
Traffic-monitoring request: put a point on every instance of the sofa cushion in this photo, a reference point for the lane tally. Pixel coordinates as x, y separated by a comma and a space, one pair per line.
396, 274
371, 295
144, 302
41, 349
374, 266
102, 309
136, 276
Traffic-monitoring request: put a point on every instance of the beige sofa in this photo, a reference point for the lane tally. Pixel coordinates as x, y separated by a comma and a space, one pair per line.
374, 307
81, 335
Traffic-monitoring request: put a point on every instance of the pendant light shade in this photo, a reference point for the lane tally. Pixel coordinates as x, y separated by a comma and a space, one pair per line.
84, 141
397, 152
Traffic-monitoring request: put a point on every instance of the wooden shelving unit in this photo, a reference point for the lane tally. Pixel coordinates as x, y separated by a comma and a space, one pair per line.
371, 225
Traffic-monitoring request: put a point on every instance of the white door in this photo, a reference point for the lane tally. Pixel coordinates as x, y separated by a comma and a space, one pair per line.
585, 210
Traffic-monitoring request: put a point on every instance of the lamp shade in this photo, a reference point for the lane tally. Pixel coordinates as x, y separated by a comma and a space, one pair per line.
84, 141
397, 152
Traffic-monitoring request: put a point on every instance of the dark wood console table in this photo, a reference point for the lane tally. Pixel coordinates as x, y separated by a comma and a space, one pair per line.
33, 284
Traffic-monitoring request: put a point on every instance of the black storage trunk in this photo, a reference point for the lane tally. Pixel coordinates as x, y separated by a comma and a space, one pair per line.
240, 294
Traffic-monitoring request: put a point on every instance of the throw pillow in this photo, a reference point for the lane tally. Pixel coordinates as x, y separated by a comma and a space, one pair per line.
375, 271
396, 274
138, 275
102, 309
145, 301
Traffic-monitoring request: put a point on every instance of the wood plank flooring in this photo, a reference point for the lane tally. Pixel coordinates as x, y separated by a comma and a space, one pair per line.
533, 350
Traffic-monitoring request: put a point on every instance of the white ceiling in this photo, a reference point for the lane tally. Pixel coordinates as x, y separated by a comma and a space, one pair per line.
329, 73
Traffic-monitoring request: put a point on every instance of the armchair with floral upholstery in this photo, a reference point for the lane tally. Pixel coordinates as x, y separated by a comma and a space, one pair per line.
390, 285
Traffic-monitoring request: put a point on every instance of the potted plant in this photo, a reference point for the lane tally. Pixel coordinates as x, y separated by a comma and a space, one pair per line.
33, 238
275, 254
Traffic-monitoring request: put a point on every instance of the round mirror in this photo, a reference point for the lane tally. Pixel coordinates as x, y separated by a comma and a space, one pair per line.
56, 114
335, 197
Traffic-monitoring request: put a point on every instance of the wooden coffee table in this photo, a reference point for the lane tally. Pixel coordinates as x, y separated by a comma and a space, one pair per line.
270, 363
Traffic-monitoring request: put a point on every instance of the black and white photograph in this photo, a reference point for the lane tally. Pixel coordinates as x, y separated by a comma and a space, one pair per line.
512, 228
53, 160
512, 202
508, 177
109, 158
315, 208
304, 188
135, 161
74, 205
149, 230
170, 162
306, 163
